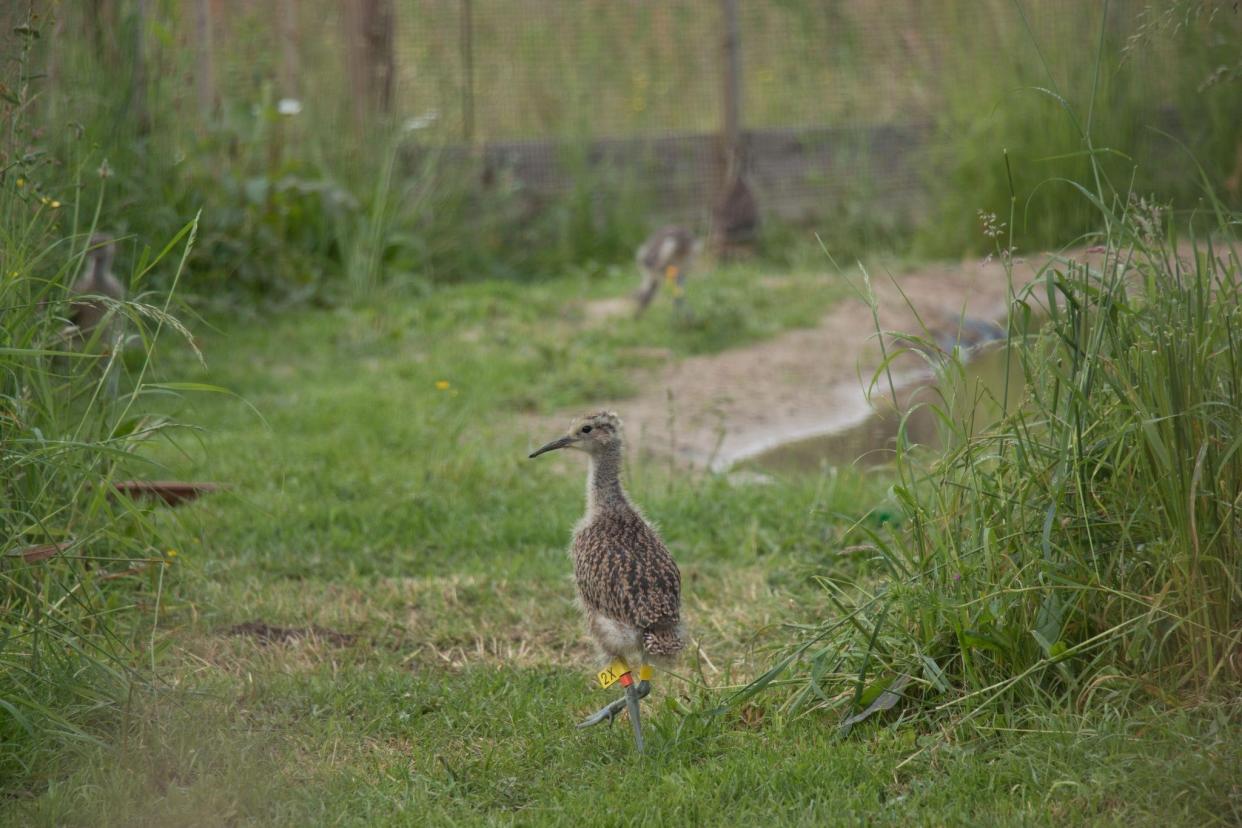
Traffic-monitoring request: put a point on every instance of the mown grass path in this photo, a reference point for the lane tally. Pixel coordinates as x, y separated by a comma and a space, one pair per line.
375, 625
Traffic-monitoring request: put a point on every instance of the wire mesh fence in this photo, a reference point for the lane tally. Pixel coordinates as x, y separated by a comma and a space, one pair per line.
834, 102
835, 96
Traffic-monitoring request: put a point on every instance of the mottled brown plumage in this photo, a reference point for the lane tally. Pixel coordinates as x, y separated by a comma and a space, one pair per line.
626, 575
628, 584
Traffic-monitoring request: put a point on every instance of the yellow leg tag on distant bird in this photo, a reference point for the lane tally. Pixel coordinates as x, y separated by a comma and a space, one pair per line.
670, 273
612, 673
644, 673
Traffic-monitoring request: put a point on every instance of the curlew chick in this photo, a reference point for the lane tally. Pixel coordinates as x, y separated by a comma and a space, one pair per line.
666, 254
96, 281
628, 584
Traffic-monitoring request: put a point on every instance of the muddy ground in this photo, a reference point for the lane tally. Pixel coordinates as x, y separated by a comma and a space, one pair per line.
718, 409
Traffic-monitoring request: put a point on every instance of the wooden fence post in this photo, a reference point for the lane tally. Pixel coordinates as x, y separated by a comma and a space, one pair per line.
138, 98
372, 64
205, 77
289, 69
735, 217
732, 126
467, 60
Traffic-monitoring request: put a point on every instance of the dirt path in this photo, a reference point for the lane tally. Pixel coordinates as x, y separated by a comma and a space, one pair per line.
717, 409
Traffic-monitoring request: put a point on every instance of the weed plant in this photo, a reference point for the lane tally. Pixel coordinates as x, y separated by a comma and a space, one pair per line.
1084, 550
82, 570
1030, 79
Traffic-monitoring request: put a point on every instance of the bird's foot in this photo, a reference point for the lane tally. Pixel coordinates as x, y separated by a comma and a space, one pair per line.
634, 693
604, 714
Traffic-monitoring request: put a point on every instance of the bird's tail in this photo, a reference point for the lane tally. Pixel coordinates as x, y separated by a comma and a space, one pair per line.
666, 641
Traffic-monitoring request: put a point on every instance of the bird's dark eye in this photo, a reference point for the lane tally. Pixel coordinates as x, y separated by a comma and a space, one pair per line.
586, 429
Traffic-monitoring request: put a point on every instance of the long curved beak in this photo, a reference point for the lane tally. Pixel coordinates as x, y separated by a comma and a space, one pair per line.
553, 446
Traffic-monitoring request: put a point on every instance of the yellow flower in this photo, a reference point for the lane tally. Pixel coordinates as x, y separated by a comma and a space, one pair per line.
21, 182
172, 553
442, 385
55, 204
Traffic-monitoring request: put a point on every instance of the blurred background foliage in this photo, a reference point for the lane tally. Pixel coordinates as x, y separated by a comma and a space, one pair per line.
334, 145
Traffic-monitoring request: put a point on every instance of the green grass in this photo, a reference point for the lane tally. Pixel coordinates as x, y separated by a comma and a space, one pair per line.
1085, 544
346, 739
368, 502
69, 615
79, 567
1016, 129
383, 524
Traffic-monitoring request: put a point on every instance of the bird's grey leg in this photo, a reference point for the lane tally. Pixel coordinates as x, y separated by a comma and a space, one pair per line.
646, 292
679, 296
631, 703
633, 694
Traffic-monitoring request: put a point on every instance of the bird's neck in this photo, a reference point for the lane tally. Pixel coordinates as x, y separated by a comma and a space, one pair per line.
604, 491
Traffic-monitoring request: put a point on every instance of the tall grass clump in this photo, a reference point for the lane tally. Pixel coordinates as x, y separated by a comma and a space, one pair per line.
1134, 72
82, 571
1087, 546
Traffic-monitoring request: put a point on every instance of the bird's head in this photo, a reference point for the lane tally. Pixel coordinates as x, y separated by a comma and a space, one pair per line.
593, 434
101, 250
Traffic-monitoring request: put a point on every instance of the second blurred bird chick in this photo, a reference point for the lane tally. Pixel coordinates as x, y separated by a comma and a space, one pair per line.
666, 255
88, 309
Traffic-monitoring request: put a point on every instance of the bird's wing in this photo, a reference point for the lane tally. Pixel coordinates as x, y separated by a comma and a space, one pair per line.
629, 576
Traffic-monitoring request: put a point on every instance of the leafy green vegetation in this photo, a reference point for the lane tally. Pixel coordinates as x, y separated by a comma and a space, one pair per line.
1084, 549
375, 625
304, 205
372, 622
1143, 83
81, 570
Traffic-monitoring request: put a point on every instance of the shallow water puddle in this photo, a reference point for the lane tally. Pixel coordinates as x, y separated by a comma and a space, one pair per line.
989, 381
